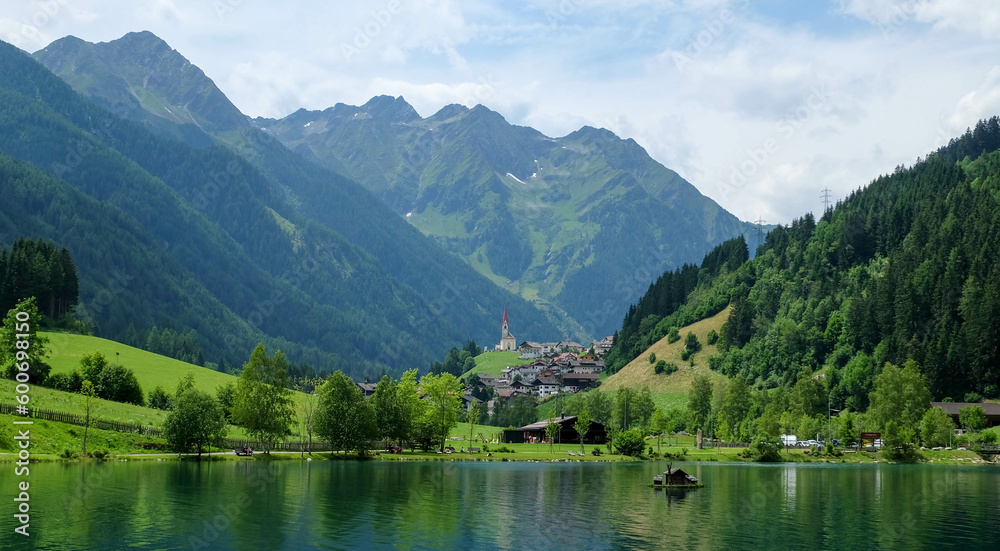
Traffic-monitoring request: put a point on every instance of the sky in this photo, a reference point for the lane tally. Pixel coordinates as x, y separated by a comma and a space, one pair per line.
760, 104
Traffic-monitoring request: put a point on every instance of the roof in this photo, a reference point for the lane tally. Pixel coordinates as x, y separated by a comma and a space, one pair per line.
505, 313
581, 376
952, 408
486, 376
545, 381
540, 425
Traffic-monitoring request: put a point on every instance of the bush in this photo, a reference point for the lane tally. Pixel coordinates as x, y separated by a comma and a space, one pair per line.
630, 443
159, 399
503, 449
988, 437
691, 342
973, 397
101, 454
652, 357
764, 450
596, 451
118, 383
685, 354
662, 367
713, 337
673, 335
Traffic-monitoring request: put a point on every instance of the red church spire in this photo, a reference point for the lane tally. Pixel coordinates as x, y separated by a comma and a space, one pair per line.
505, 314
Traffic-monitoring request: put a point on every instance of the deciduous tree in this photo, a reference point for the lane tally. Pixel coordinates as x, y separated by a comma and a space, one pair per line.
263, 403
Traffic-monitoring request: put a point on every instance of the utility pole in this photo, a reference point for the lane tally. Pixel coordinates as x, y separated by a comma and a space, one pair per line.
760, 230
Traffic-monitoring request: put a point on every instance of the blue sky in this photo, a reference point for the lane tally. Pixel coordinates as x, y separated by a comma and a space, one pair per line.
760, 104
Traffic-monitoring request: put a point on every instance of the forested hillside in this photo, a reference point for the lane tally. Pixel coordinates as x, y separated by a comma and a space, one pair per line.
906, 268
171, 236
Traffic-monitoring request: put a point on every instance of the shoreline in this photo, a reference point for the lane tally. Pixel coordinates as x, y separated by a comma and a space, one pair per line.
942, 457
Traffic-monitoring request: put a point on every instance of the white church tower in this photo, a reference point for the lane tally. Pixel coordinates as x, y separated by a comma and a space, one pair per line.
507, 341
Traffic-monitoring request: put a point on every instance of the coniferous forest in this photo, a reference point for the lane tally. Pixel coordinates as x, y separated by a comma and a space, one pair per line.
905, 268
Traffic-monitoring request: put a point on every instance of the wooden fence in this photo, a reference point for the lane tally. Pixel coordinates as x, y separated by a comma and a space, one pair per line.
74, 419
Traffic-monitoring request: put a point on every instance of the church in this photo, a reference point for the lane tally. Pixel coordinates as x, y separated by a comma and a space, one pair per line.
507, 341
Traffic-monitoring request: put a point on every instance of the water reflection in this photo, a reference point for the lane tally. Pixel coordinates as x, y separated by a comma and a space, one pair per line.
443, 505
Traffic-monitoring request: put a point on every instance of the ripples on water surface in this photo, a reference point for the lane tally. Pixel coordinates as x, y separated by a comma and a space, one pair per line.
350, 505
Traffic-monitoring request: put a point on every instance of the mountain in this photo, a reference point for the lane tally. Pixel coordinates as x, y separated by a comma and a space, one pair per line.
907, 268
140, 77
583, 221
578, 224
170, 235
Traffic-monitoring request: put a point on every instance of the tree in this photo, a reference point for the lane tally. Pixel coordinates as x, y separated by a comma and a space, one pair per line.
92, 365
159, 399
195, 422
226, 395
551, 431
630, 443
900, 395
582, 426
658, 424
735, 407
898, 441
119, 384
691, 343
700, 401
623, 411
89, 403
652, 357
444, 399
972, 418
344, 418
936, 428
473, 416
20, 329
411, 407
263, 404
309, 386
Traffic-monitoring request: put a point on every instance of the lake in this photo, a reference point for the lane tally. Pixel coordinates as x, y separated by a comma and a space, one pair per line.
264, 505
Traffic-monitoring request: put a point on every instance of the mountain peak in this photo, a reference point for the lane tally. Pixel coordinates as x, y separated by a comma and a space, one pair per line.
391, 108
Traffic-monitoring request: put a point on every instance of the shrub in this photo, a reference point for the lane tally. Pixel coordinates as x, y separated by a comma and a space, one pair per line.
973, 397
159, 399
691, 342
673, 335
662, 367
101, 454
118, 383
685, 354
630, 443
713, 337
764, 450
988, 437
503, 449
652, 357
596, 451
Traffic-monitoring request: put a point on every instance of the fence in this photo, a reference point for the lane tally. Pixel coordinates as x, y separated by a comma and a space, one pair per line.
74, 419
118, 426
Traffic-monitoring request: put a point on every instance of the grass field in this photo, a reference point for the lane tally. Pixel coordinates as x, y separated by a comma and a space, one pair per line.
494, 362
68, 402
152, 370
670, 390
48, 437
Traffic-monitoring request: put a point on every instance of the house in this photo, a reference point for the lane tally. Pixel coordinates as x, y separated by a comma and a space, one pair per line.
367, 388
575, 382
952, 408
535, 432
545, 386
487, 379
530, 350
604, 345
469, 401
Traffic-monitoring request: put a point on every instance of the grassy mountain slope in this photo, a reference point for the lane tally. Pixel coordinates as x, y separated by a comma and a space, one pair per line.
550, 219
639, 373
150, 369
234, 230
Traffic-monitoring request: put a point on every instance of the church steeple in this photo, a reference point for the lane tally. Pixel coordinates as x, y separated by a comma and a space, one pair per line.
504, 321
507, 341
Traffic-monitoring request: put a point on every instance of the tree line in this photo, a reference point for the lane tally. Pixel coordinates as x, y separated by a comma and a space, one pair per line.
37, 268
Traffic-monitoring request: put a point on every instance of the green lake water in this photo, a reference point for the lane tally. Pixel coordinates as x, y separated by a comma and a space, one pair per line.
259, 505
